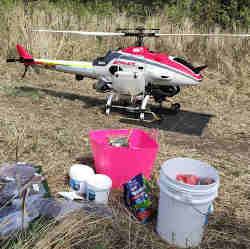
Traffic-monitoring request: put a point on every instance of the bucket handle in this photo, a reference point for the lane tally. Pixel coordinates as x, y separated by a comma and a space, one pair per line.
210, 208
154, 134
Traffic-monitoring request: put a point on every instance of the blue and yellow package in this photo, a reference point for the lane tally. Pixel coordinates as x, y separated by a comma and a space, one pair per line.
138, 198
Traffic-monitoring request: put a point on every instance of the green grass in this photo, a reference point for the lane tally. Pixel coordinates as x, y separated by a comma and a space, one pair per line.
33, 94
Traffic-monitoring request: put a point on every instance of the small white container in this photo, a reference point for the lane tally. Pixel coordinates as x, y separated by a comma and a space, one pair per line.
98, 188
78, 175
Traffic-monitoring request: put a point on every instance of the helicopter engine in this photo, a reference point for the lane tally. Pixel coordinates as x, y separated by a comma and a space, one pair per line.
103, 86
160, 93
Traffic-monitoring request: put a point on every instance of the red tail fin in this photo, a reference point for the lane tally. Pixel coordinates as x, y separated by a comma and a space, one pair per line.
23, 52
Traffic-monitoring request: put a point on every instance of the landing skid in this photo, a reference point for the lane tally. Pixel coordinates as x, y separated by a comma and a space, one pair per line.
140, 109
137, 108
145, 116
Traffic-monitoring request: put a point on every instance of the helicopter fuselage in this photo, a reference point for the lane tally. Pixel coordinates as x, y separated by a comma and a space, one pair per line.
158, 68
134, 73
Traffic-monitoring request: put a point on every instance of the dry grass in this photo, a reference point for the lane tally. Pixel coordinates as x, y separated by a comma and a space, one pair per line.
51, 114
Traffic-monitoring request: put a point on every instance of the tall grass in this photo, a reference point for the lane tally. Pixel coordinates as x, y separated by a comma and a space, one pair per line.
229, 56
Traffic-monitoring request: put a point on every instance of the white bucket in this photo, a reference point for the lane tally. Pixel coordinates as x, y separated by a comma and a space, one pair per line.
183, 208
98, 188
78, 174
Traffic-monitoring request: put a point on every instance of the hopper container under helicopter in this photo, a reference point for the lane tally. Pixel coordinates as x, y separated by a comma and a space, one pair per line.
128, 82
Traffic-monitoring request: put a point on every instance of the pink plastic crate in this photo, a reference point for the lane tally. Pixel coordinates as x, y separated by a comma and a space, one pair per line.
121, 163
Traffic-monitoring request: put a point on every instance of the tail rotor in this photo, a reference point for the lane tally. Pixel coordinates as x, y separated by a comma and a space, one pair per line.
24, 58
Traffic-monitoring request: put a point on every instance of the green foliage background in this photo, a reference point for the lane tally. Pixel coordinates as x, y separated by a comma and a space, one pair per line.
225, 13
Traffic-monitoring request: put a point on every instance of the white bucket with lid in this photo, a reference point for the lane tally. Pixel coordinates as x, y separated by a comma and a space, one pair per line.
184, 208
98, 188
78, 174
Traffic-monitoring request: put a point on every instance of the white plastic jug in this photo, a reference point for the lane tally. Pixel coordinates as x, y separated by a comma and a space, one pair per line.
183, 208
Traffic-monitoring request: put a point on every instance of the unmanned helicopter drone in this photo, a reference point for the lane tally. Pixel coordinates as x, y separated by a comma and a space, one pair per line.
133, 75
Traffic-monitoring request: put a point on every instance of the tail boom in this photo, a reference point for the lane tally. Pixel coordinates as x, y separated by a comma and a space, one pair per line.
24, 57
82, 68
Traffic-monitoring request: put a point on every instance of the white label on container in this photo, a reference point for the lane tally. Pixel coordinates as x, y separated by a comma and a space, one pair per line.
36, 187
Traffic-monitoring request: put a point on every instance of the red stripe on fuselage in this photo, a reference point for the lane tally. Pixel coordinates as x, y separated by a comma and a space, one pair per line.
161, 58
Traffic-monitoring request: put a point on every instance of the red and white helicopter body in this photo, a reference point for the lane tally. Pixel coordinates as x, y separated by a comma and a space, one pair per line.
133, 73
160, 68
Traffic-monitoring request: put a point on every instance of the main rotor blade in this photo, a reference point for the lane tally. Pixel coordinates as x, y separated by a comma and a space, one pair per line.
80, 32
207, 35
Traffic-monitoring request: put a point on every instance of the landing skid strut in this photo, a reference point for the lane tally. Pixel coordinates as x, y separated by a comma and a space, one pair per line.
140, 109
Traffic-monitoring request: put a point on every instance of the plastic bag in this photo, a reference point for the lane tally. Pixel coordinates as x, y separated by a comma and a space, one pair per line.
58, 209
98, 209
13, 223
11, 216
12, 178
12, 220
55, 208
20, 172
38, 185
7, 192
15, 178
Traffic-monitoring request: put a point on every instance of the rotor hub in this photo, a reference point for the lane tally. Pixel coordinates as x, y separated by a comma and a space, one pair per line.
139, 32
